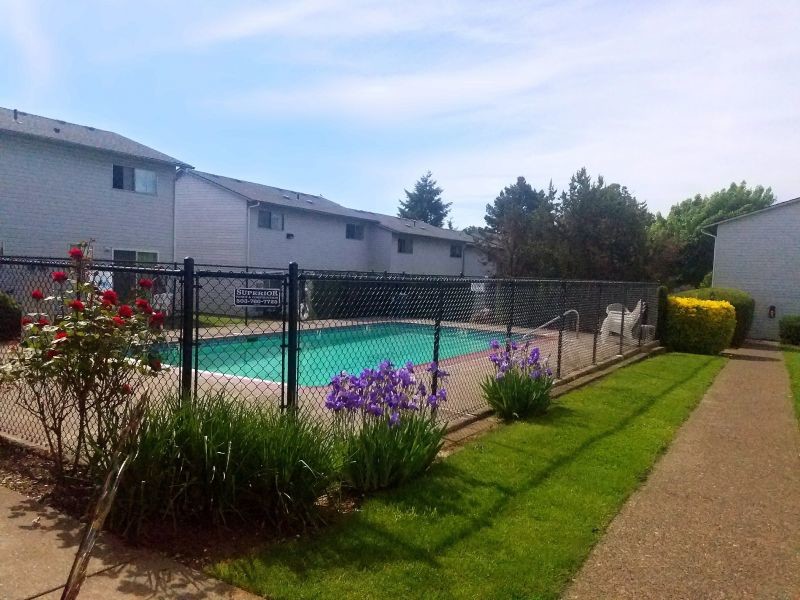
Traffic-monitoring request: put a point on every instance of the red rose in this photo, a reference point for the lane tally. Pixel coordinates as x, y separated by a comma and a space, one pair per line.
119, 321
59, 276
110, 297
77, 306
126, 389
27, 320
43, 321
37, 295
157, 320
61, 335
125, 311
146, 283
155, 364
51, 354
76, 253
144, 306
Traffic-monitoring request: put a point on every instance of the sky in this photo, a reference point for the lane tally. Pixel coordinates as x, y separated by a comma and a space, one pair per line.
355, 100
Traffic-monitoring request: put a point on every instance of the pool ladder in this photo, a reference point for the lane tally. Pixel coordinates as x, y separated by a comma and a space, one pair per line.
553, 320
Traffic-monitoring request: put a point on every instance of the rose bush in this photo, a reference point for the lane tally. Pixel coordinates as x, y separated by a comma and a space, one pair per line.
79, 362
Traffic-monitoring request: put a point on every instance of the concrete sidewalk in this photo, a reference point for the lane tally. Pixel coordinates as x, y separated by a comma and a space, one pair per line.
719, 517
37, 546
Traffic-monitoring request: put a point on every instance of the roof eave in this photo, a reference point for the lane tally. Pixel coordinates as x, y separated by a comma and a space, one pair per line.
174, 162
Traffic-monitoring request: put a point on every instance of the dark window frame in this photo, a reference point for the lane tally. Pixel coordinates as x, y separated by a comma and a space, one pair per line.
354, 231
405, 245
269, 222
456, 251
123, 178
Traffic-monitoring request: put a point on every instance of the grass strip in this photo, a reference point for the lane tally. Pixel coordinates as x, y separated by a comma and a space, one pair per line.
512, 515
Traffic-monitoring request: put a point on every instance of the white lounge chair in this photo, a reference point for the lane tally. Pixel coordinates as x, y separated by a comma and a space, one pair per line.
614, 322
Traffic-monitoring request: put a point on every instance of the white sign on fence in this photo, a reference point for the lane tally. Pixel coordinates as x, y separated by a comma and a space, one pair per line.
257, 297
477, 287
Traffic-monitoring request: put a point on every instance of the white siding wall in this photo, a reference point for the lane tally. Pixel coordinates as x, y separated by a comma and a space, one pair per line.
760, 254
431, 256
210, 223
212, 229
319, 242
53, 195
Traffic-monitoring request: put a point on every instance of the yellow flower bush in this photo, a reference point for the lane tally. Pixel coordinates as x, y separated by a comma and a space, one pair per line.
699, 326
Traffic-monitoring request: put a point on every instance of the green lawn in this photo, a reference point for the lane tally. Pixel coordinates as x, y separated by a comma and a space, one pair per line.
792, 356
511, 516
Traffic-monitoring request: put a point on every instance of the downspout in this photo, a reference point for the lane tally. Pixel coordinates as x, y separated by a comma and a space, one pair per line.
174, 217
711, 235
463, 259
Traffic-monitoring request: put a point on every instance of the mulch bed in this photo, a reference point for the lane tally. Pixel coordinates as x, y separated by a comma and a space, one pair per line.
28, 472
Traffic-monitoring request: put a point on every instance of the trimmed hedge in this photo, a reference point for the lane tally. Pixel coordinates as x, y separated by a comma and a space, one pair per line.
789, 329
10, 317
742, 302
699, 326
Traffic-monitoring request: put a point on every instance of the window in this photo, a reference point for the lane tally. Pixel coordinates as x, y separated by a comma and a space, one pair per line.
134, 180
456, 251
404, 245
354, 231
270, 220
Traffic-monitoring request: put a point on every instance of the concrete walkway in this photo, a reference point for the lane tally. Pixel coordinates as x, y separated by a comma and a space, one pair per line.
719, 517
37, 546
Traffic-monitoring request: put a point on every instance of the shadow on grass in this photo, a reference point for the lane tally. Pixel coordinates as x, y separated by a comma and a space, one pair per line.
446, 497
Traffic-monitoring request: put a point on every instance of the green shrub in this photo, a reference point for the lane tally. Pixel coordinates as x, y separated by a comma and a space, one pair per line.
742, 302
699, 326
661, 323
215, 459
789, 329
516, 395
10, 318
379, 456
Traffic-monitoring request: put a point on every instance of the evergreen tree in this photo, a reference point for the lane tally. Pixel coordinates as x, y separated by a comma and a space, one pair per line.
520, 231
603, 230
425, 202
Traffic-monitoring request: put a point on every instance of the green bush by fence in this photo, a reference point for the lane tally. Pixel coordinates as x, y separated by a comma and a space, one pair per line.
789, 329
699, 326
742, 302
10, 316
215, 459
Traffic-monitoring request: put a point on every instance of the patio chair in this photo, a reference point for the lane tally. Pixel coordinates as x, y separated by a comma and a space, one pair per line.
614, 322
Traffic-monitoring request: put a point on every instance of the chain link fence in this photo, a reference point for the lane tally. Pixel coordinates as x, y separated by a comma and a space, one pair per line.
275, 337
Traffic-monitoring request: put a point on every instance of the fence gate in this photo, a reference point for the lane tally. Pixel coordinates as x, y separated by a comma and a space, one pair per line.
241, 336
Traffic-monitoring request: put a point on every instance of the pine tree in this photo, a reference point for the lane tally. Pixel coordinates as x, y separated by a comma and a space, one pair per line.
425, 202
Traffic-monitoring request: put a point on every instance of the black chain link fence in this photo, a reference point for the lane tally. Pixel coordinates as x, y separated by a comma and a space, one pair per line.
276, 337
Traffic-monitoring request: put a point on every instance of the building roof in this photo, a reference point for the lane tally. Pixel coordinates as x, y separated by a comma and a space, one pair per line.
18, 122
755, 212
298, 200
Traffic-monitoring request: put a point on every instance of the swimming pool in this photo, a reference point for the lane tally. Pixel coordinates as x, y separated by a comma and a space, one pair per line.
325, 352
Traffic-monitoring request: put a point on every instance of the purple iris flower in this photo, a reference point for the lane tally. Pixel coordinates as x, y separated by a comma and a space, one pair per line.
494, 344
394, 419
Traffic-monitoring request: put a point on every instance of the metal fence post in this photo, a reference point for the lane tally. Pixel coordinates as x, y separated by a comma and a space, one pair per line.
562, 309
247, 285
510, 316
597, 315
186, 327
437, 332
622, 320
292, 345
